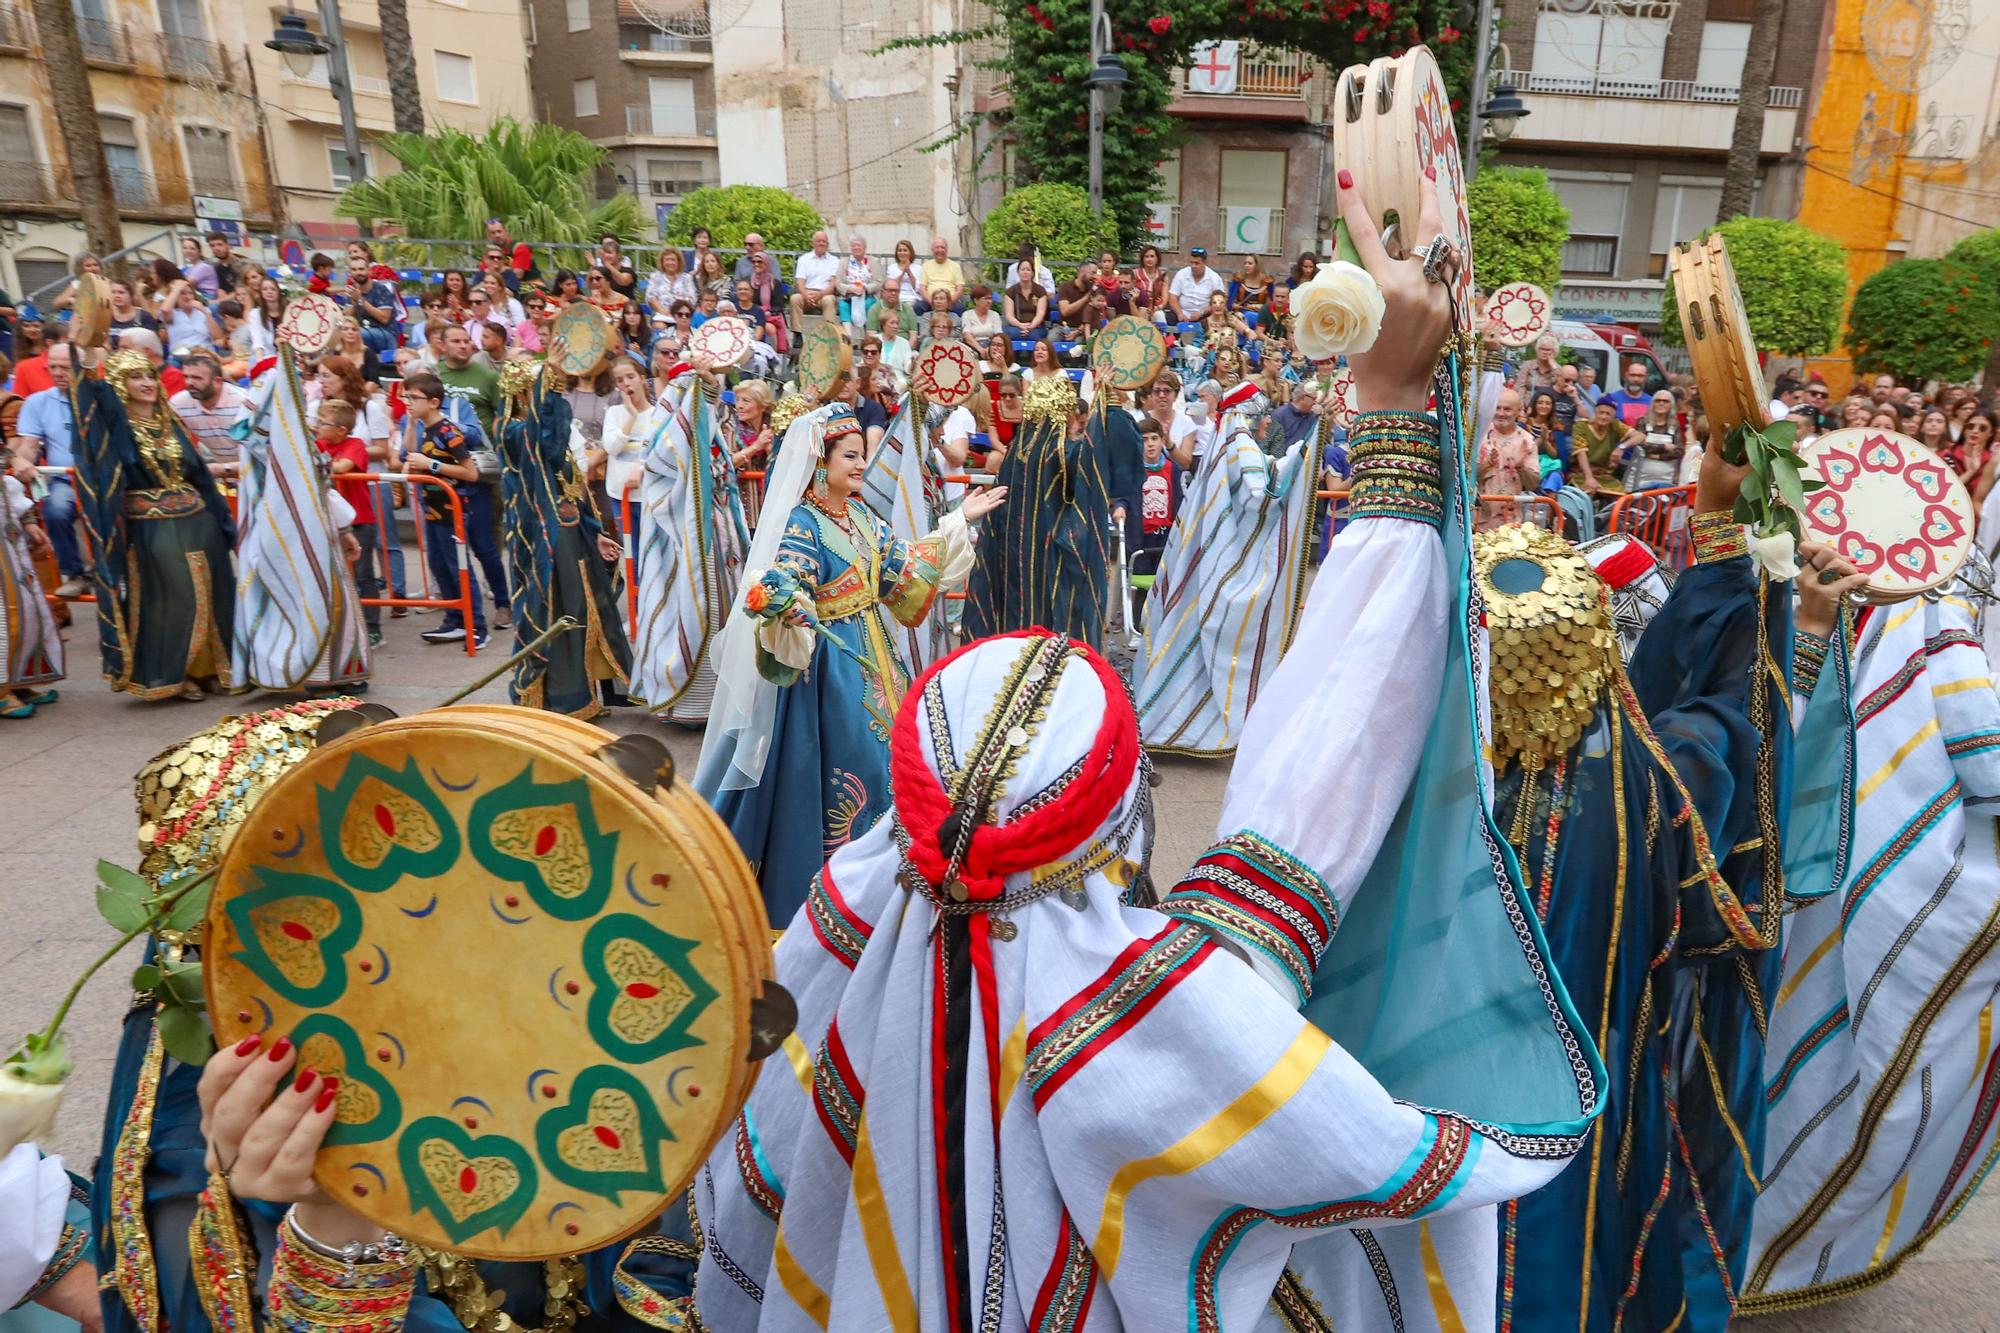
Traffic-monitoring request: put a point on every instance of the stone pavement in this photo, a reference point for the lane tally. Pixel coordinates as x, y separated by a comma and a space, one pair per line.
66, 789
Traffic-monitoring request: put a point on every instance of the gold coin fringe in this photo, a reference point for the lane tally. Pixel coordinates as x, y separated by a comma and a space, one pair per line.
1554, 648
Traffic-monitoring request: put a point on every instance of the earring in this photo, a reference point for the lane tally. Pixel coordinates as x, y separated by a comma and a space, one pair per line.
819, 480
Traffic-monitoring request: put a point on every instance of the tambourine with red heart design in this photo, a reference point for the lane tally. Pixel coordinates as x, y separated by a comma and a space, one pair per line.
1341, 404
1891, 506
946, 373
1518, 314
310, 324
721, 343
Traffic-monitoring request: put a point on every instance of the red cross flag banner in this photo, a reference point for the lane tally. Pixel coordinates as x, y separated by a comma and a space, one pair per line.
1214, 68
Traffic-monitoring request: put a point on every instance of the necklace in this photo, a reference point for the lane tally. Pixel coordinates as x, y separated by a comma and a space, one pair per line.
456, 1280
840, 516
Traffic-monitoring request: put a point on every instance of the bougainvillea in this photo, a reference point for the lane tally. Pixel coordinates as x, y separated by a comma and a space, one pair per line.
1047, 65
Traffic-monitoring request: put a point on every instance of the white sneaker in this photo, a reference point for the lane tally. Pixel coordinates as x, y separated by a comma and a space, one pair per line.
71, 587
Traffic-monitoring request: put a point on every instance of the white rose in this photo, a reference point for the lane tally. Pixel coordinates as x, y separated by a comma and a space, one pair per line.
1777, 555
27, 1110
1337, 313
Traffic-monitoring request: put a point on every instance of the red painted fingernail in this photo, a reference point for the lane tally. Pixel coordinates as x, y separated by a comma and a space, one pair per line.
248, 1044
1346, 179
1431, 172
327, 1095
282, 1049
304, 1080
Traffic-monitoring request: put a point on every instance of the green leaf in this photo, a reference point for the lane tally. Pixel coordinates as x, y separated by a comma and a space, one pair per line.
191, 907
123, 898
1789, 488
1780, 434
1746, 508
184, 1034
1811, 484
145, 978
182, 985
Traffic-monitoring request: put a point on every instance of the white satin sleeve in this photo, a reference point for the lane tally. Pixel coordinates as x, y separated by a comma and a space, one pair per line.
954, 538
34, 1194
791, 644
1332, 742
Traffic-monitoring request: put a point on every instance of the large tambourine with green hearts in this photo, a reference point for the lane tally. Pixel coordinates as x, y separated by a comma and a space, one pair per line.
536, 963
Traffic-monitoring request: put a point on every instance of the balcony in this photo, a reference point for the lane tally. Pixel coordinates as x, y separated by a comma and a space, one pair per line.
1163, 224
668, 188
669, 122
1271, 83
133, 188
366, 84
105, 43
644, 44
186, 57
1586, 114
17, 29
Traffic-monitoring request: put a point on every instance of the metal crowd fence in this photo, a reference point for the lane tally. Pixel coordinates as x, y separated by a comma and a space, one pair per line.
1658, 518
461, 603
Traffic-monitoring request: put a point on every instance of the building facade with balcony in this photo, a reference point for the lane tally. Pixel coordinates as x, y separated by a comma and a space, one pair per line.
638, 79
177, 112
472, 67
1632, 105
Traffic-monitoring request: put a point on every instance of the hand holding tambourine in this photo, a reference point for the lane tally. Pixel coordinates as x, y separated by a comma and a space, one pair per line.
1395, 374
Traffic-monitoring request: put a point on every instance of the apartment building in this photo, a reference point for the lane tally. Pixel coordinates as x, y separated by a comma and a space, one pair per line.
472, 67
638, 79
177, 111
1632, 104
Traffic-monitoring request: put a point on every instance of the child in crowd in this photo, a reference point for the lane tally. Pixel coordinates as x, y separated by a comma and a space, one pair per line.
321, 281
348, 453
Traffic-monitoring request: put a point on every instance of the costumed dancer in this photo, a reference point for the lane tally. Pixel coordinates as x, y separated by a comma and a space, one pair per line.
1881, 1073
299, 619
1648, 806
564, 562
902, 486
1226, 599
31, 651
808, 679
156, 1165
1047, 561
692, 538
161, 536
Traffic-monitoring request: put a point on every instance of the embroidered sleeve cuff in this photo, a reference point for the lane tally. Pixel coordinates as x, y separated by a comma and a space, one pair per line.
69, 1251
1808, 659
1717, 536
1258, 896
1397, 469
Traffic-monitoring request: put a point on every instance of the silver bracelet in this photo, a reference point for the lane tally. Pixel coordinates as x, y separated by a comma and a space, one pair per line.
390, 1249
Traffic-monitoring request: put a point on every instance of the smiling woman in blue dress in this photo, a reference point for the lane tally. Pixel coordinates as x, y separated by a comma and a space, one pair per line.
808, 677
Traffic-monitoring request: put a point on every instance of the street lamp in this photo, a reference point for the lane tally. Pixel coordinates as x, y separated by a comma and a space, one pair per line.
1106, 83
302, 47
1503, 111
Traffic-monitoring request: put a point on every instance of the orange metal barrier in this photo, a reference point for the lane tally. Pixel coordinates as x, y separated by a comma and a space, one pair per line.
462, 602
1658, 518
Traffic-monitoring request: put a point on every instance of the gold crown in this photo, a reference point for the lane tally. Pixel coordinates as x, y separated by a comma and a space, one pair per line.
1050, 398
195, 795
787, 410
519, 378
1548, 616
123, 363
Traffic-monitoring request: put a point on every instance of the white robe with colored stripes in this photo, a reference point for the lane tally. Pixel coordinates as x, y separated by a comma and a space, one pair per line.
298, 616
893, 486
1880, 1070
1156, 1125
1225, 603
31, 652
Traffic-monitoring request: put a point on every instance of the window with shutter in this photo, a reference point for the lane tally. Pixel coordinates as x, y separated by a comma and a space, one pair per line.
211, 164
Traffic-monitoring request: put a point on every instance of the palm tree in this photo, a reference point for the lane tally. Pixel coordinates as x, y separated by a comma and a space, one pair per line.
406, 96
76, 112
539, 179
1739, 180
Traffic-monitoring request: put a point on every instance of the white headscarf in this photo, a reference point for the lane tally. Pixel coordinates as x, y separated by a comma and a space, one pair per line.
738, 738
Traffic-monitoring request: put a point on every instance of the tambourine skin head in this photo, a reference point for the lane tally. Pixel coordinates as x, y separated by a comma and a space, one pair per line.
1892, 507
946, 373
1518, 314
90, 320
523, 967
826, 359
310, 325
1128, 353
586, 336
721, 343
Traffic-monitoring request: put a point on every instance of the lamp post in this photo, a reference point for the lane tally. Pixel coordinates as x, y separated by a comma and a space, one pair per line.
1503, 111
1107, 85
301, 46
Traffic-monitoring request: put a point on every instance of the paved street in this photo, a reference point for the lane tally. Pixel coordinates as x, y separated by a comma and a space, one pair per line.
66, 785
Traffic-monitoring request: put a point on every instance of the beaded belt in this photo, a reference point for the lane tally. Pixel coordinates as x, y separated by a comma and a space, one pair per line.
162, 504
567, 513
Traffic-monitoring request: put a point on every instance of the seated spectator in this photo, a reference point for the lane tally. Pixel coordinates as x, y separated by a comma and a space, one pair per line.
1149, 284
712, 277
481, 313
616, 268
321, 268
565, 290
234, 275
772, 295
1587, 387
1277, 321
125, 313
904, 271
1041, 362
817, 274
939, 326
196, 268
1007, 405
1027, 304
1250, 289
532, 333
1219, 319
858, 283
190, 327
1042, 275
635, 325
521, 258
981, 321
868, 392
895, 347
677, 336
1304, 269
497, 263
671, 282
1117, 288
504, 304
456, 293
758, 316
1074, 295
236, 337
147, 343
603, 293
706, 307
373, 301
942, 274
753, 247
1188, 293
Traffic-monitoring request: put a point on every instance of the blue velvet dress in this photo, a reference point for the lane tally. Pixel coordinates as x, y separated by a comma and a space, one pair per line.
826, 781
1652, 853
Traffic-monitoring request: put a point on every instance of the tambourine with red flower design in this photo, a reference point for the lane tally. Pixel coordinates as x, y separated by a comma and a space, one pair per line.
721, 343
1891, 506
536, 963
1518, 313
310, 324
946, 373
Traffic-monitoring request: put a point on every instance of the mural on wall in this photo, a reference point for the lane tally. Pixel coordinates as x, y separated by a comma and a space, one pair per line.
1912, 43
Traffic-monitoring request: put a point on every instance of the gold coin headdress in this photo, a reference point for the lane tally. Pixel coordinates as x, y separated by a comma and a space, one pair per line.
1050, 398
1553, 639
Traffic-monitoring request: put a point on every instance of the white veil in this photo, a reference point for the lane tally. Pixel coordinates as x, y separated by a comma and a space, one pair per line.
738, 738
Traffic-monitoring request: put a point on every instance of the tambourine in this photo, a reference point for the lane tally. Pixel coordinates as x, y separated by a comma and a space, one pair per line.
826, 359
1518, 314
946, 373
1392, 120
90, 315
1720, 349
721, 343
586, 337
537, 964
1890, 506
1128, 353
310, 324
1341, 404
